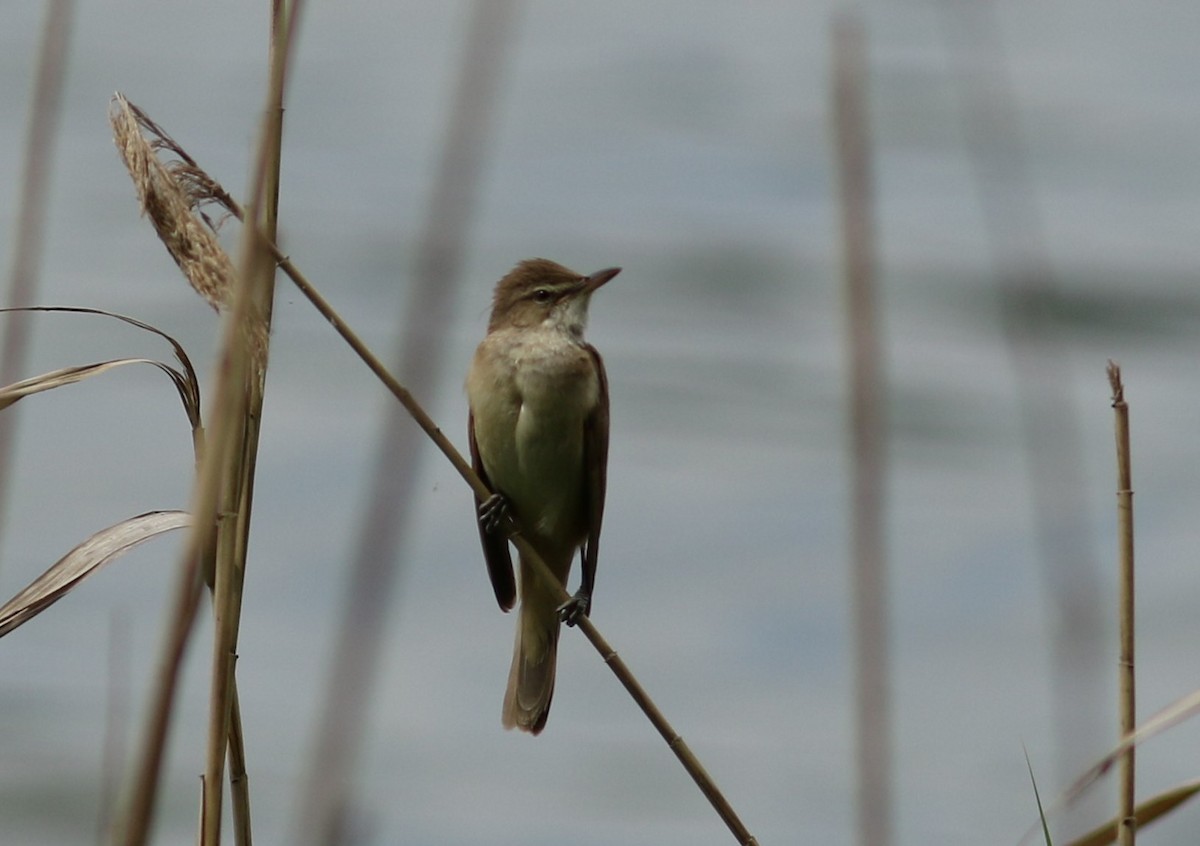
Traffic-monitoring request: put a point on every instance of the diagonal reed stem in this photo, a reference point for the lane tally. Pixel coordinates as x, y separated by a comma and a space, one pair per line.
676, 743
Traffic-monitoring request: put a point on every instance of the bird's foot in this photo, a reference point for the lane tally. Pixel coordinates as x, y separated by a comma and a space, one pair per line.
574, 608
493, 513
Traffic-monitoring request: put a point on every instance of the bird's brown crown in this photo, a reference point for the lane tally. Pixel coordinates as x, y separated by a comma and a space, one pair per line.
530, 291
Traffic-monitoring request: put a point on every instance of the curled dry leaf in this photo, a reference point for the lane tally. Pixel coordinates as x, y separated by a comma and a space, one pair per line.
70, 375
186, 383
84, 560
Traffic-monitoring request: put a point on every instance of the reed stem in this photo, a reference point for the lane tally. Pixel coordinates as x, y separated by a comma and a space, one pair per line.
1127, 825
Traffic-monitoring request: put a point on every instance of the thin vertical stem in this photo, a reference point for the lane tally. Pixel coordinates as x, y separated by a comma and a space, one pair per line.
44, 113
116, 708
1127, 821
134, 827
239, 781
873, 761
254, 299
440, 253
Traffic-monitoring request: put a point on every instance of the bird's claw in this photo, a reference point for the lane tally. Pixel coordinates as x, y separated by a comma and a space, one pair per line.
493, 513
574, 608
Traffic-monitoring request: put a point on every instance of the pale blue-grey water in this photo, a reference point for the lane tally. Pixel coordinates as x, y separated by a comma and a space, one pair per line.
690, 143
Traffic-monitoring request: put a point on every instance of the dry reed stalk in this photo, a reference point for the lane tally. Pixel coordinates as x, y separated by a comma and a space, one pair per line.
1127, 826
45, 110
868, 567
134, 825
169, 198
1130, 817
241, 360
116, 714
239, 780
253, 305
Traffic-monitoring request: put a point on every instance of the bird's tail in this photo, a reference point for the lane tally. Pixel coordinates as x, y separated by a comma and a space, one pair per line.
531, 679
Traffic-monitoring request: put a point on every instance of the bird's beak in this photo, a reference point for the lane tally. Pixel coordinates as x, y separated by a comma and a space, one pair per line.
591, 283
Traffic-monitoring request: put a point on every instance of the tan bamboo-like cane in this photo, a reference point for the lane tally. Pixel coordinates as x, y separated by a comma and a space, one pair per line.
1127, 821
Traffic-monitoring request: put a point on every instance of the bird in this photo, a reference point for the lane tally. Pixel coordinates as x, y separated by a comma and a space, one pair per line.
538, 428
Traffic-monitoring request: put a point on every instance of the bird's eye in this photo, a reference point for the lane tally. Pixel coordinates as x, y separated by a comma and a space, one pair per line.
541, 295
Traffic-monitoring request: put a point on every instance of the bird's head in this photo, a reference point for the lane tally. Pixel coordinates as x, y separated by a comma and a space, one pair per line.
538, 291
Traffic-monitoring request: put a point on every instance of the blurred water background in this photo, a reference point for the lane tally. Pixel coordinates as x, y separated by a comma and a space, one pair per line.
690, 143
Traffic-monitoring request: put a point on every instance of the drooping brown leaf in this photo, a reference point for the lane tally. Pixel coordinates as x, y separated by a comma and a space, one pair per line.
84, 560
69, 376
185, 380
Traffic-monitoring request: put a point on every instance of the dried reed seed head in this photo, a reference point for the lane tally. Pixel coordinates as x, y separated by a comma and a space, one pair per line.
202, 190
169, 201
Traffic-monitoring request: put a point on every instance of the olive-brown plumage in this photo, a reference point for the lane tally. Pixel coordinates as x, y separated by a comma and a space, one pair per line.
538, 430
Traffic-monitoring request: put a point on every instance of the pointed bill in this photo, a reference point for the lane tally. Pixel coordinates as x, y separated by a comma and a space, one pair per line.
591, 283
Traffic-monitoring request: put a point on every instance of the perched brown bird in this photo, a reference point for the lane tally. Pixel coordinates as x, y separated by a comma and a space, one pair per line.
539, 439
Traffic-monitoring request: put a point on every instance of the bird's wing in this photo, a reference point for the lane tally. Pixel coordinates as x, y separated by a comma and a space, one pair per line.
495, 544
595, 456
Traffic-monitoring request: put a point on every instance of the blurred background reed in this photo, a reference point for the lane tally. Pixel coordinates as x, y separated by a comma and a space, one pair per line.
1035, 206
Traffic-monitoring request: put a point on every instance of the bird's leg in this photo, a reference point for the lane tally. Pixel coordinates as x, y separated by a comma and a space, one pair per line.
575, 607
580, 604
493, 514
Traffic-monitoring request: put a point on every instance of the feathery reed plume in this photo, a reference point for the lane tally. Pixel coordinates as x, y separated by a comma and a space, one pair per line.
174, 195
169, 195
